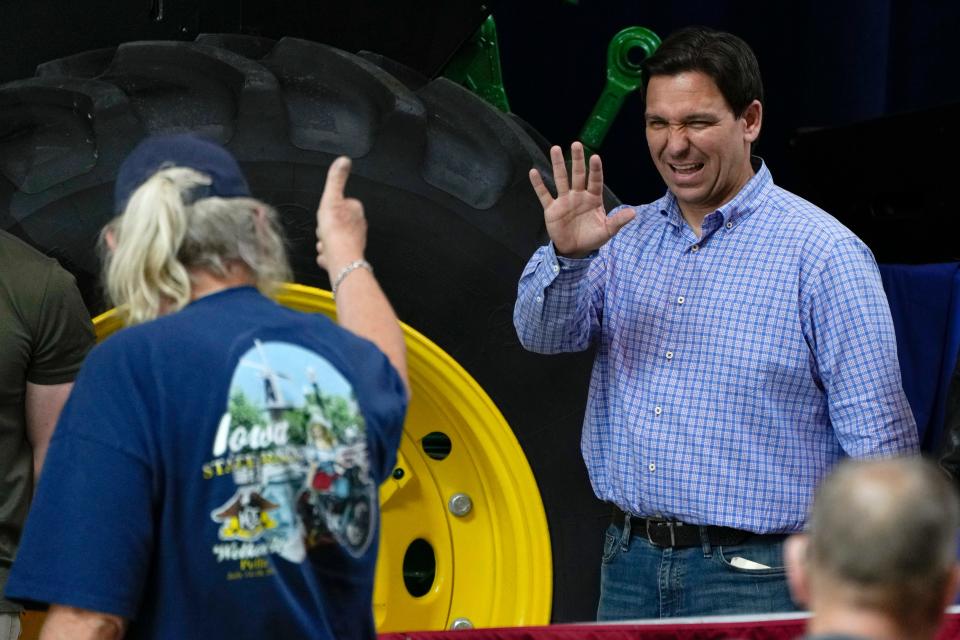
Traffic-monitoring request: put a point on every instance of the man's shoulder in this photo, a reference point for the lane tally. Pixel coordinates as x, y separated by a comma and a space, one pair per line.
35, 289
813, 237
33, 280
800, 218
17, 258
14, 246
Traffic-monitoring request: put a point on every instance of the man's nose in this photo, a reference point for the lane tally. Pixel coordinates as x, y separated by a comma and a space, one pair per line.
677, 140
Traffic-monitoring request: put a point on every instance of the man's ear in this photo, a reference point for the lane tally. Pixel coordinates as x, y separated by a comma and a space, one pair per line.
110, 238
794, 556
752, 121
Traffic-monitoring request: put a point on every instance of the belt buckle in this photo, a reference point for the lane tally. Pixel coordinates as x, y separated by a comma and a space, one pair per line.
669, 524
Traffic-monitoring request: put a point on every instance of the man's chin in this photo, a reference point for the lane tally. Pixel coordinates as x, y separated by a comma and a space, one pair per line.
687, 195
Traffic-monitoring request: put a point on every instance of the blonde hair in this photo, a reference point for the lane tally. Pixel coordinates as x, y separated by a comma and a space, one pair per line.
164, 233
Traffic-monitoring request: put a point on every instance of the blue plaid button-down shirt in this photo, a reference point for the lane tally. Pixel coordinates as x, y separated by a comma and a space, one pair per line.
732, 370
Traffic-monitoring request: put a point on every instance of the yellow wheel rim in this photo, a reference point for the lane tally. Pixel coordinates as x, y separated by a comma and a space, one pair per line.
477, 510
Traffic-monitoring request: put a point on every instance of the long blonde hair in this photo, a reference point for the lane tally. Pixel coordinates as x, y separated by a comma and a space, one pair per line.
164, 233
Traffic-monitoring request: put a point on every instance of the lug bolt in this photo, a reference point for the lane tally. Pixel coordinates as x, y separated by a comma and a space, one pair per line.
460, 504
461, 623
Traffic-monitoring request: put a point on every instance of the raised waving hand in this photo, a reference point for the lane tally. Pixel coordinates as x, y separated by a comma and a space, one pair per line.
576, 220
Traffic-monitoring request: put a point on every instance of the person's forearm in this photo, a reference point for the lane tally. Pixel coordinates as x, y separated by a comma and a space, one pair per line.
42, 406
70, 623
363, 308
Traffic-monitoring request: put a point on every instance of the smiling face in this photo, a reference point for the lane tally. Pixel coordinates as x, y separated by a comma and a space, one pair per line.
700, 148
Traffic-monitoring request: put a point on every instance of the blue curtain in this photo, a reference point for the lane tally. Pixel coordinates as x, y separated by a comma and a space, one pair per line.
925, 304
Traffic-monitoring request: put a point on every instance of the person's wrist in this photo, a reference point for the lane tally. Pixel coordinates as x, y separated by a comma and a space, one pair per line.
336, 264
339, 257
571, 253
337, 278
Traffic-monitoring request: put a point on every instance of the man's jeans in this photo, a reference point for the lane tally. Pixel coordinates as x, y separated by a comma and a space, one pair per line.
640, 580
9, 626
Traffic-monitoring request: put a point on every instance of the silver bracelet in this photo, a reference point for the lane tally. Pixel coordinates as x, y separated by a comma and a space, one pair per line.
353, 266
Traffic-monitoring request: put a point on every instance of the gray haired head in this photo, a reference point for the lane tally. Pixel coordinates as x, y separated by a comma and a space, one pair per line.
887, 529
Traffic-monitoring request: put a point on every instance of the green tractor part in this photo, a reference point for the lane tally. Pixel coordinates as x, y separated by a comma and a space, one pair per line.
624, 76
476, 66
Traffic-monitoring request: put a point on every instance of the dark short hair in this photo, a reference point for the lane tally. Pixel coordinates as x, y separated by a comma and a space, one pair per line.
725, 58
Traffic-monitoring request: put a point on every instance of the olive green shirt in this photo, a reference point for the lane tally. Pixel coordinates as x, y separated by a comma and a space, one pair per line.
45, 332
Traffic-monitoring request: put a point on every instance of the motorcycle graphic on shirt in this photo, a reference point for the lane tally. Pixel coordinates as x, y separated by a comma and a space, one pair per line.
293, 441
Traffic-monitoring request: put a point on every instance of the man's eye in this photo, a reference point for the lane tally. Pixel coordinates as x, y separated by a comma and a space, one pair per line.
656, 124
698, 124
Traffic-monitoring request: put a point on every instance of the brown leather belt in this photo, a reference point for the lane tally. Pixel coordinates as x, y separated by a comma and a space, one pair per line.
669, 533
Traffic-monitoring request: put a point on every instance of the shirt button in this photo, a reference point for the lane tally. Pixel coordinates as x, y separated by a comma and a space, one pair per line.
556, 268
681, 300
669, 355
695, 248
539, 298
657, 411
652, 467
729, 225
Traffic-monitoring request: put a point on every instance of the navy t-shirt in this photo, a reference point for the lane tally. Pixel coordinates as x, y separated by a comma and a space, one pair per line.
215, 473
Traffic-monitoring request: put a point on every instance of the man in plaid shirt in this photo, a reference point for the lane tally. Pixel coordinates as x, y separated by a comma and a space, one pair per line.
743, 345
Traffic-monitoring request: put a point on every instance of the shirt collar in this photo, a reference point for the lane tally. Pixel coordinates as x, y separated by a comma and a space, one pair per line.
742, 204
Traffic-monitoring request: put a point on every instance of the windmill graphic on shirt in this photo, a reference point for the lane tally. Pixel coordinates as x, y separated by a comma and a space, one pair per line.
272, 391
247, 417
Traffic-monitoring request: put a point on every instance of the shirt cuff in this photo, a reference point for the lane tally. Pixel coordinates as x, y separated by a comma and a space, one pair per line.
561, 263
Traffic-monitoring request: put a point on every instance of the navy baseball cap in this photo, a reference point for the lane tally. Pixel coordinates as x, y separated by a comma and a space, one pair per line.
181, 150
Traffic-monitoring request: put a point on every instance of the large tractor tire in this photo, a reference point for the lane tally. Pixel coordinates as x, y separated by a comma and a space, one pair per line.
452, 217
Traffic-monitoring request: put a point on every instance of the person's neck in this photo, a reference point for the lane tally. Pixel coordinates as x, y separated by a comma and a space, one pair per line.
694, 219
694, 215
863, 624
204, 283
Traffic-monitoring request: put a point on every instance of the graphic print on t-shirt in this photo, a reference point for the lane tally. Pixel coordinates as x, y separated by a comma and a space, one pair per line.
293, 441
